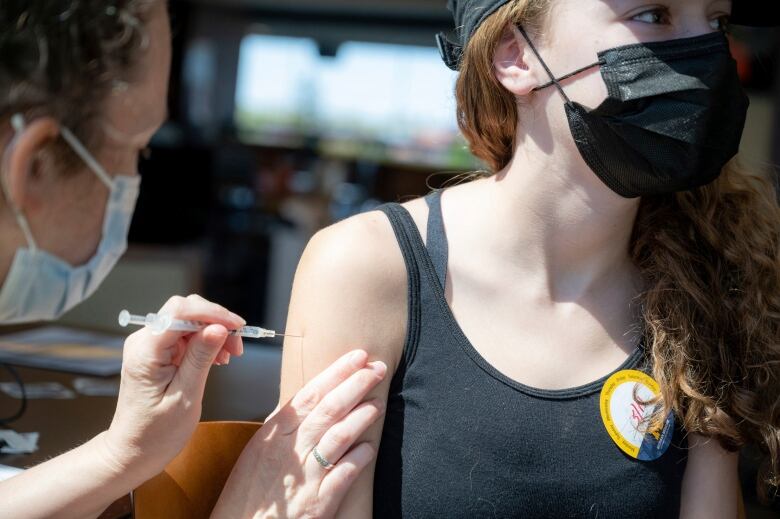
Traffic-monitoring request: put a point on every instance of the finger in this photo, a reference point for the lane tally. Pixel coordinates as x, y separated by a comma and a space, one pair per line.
235, 346
338, 481
145, 351
180, 350
195, 308
291, 415
222, 358
201, 352
339, 402
343, 435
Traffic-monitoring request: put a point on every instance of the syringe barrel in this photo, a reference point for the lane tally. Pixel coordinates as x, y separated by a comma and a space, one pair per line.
158, 324
161, 323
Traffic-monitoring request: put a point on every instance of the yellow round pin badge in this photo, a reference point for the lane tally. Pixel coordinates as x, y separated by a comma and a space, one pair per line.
626, 417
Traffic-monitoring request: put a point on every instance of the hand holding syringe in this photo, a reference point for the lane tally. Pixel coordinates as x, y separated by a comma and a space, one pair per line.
161, 323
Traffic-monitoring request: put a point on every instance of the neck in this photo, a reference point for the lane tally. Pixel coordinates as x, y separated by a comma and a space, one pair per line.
558, 223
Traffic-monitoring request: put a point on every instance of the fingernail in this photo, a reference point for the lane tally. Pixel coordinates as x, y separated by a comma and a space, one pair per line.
378, 367
238, 318
241, 348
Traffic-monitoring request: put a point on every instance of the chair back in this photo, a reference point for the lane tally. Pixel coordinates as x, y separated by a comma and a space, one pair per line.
191, 484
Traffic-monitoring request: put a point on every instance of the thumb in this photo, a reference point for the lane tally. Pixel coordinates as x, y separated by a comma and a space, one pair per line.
202, 348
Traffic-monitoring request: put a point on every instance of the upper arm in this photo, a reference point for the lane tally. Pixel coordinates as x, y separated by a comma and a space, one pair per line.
710, 486
349, 293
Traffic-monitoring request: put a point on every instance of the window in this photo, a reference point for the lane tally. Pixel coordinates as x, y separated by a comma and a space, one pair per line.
391, 103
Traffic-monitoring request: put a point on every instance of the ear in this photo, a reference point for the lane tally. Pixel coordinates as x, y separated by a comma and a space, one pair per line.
510, 63
22, 161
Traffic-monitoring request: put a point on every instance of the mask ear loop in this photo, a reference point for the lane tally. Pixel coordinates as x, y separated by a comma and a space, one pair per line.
18, 124
567, 76
553, 80
87, 157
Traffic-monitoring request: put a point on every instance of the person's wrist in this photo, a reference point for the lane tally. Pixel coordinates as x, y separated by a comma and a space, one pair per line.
120, 458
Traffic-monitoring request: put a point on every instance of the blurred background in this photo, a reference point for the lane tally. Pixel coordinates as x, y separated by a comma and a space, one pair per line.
288, 116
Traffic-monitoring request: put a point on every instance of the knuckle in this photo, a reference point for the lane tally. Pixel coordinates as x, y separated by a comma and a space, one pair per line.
176, 301
305, 401
328, 412
340, 437
198, 358
196, 299
174, 304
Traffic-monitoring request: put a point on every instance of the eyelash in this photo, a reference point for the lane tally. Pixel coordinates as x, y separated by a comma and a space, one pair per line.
662, 17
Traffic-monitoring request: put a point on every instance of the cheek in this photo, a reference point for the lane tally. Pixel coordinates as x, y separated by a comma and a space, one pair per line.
78, 221
588, 89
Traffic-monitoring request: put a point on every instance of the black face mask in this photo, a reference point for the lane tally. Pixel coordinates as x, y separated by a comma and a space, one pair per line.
673, 117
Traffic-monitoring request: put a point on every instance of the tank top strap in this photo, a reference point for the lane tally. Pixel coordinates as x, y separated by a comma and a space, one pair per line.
436, 242
417, 262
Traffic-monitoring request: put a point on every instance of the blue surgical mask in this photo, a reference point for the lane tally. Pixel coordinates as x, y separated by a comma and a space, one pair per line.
42, 287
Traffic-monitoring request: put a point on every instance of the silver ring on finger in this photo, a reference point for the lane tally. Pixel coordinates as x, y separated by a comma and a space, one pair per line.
324, 463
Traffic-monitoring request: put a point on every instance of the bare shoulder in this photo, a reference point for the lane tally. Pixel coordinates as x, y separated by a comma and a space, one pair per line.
349, 292
361, 252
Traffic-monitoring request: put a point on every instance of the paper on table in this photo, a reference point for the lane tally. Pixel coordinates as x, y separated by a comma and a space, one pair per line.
11, 442
64, 349
38, 391
96, 386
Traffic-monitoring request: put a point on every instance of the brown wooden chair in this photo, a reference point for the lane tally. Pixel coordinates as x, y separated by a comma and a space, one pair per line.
191, 484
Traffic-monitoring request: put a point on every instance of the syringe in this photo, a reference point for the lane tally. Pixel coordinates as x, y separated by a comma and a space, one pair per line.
161, 323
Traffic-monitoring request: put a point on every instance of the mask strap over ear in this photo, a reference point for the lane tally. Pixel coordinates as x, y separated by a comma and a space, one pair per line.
18, 124
553, 80
567, 76
87, 157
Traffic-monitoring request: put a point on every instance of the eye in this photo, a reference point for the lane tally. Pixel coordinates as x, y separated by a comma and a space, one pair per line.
657, 16
721, 23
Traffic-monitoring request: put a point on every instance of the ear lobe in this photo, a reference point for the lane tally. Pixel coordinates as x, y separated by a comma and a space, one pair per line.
21, 161
510, 65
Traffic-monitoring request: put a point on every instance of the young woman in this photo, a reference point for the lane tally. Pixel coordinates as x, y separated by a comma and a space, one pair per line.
93, 75
613, 235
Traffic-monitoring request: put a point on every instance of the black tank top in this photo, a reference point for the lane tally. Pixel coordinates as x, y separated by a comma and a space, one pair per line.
462, 440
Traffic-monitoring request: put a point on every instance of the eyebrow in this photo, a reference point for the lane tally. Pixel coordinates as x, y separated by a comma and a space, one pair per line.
623, 2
